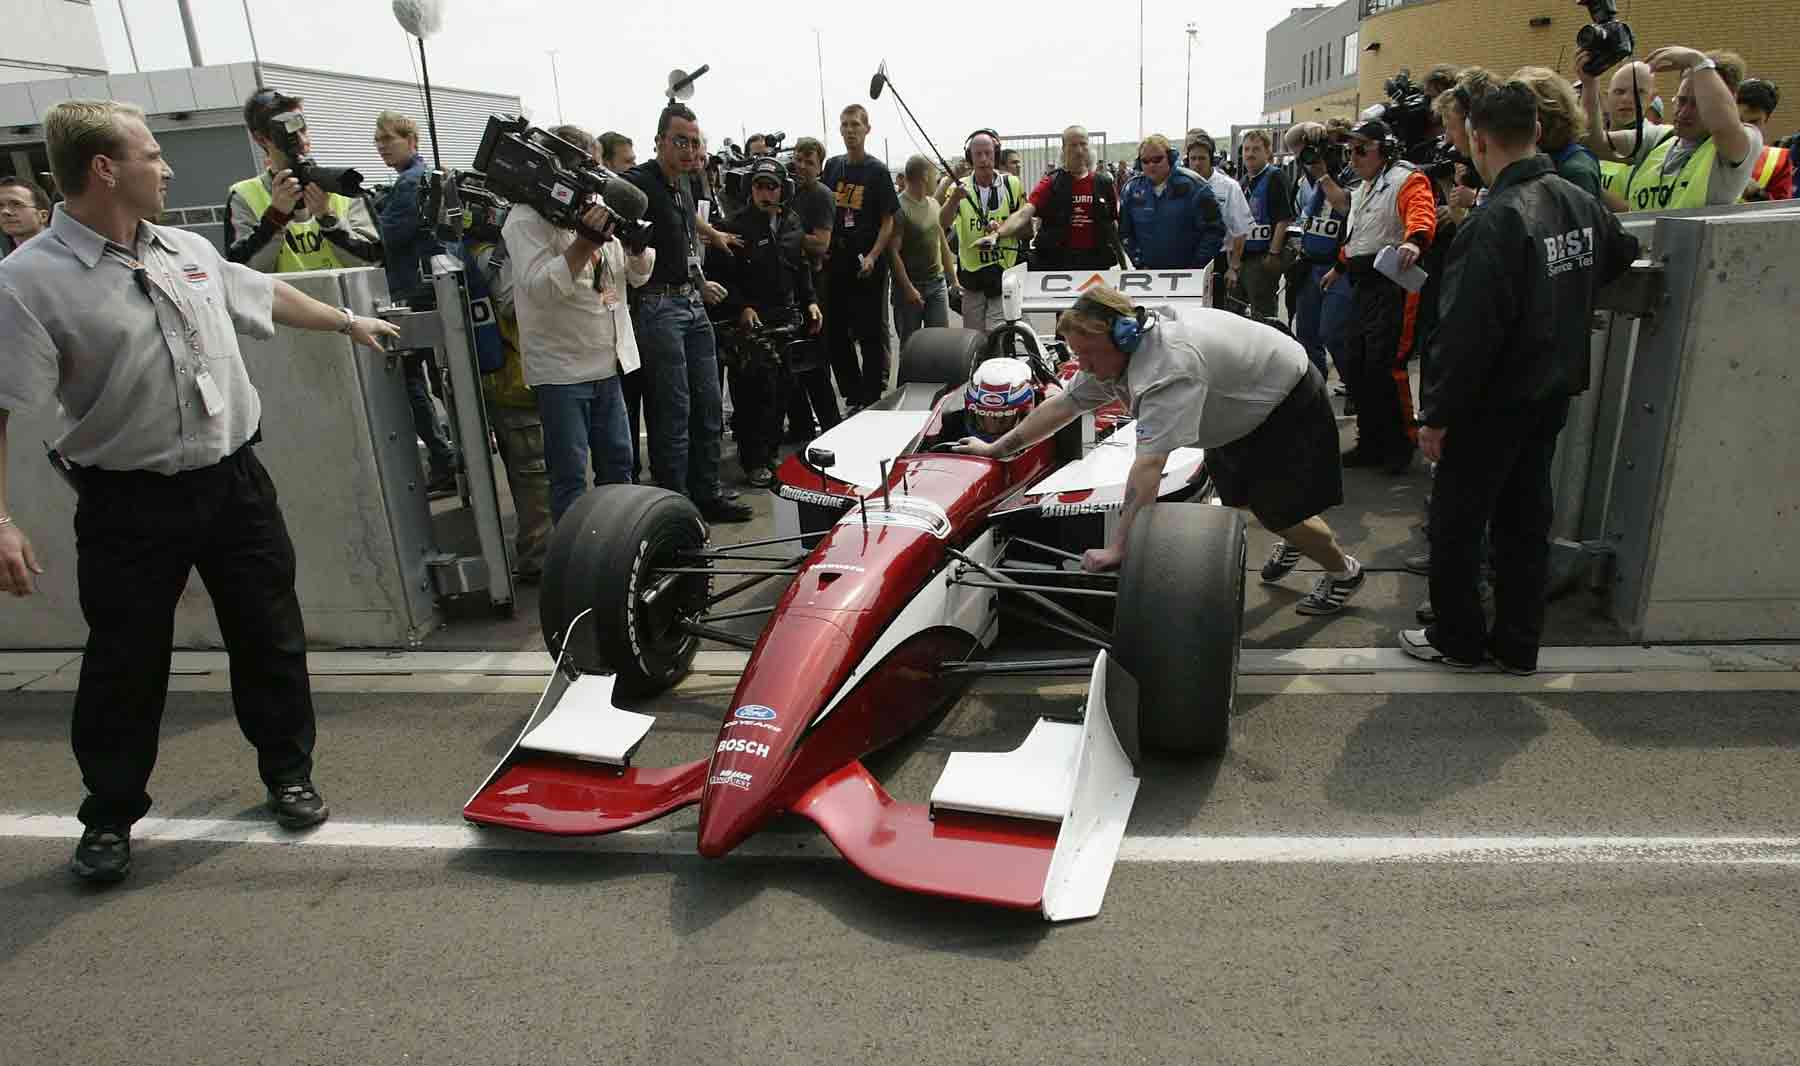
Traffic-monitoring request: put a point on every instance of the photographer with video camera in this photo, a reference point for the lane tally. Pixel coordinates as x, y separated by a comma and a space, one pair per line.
295, 215
1705, 157
1392, 207
1320, 313
576, 336
1512, 348
768, 285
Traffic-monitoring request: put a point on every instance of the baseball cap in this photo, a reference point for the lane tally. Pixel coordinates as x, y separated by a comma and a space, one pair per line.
767, 169
1372, 130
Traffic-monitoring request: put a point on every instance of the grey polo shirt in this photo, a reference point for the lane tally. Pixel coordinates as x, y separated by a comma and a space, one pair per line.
122, 358
1207, 378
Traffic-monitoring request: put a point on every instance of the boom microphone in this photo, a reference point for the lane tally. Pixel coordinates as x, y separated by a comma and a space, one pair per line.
624, 199
878, 82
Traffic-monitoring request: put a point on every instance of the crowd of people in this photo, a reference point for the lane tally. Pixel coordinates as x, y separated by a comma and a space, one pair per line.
1482, 265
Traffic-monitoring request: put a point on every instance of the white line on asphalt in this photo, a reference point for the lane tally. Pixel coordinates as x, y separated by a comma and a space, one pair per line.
1179, 850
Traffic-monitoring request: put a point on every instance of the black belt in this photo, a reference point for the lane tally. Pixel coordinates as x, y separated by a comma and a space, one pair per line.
683, 289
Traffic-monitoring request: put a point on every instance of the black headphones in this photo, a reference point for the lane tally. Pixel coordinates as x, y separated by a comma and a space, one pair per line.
1127, 330
969, 156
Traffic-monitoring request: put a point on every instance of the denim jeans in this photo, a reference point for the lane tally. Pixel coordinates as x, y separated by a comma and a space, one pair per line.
587, 416
1319, 323
681, 394
908, 317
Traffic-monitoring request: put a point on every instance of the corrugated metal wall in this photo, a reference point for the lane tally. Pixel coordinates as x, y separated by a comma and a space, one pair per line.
341, 110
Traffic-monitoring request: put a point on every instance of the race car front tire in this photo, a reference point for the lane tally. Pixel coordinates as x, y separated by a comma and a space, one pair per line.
940, 355
602, 556
1179, 622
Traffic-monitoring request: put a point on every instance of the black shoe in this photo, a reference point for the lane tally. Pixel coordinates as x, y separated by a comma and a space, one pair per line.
1329, 594
724, 511
760, 476
1398, 465
1357, 456
1418, 564
298, 805
1282, 560
1426, 614
104, 853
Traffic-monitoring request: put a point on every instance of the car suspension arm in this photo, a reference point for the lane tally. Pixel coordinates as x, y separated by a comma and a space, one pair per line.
1031, 593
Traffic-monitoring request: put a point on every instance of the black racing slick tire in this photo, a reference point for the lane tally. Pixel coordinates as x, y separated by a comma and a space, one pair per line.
602, 560
1179, 622
940, 355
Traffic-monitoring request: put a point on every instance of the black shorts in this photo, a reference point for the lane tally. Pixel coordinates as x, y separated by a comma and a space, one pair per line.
1287, 469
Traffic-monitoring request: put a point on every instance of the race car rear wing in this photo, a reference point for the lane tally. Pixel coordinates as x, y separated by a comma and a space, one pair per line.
1027, 292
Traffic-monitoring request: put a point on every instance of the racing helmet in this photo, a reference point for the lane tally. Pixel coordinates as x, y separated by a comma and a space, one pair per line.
999, 396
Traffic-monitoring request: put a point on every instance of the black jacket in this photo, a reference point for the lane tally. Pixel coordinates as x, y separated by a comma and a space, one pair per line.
770, 272
1518, 296
1052, 245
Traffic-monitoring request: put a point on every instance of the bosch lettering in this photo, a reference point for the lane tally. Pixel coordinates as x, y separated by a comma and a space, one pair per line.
746, 747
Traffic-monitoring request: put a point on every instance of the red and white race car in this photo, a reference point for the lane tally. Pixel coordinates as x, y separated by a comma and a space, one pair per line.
901, 559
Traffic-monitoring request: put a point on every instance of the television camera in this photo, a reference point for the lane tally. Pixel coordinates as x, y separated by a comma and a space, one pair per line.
526, 165
1408, 114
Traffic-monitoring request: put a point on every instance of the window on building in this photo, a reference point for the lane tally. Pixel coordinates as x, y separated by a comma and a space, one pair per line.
1303, 62
1350, 53
1327, 62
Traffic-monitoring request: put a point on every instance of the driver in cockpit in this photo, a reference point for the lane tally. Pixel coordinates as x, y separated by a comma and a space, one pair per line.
997, 399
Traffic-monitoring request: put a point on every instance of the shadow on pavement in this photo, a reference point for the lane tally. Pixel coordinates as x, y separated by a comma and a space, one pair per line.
1409, 753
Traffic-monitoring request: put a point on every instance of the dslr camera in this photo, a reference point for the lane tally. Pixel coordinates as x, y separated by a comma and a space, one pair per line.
526, 165
1331, 153
284, 130
1606, 40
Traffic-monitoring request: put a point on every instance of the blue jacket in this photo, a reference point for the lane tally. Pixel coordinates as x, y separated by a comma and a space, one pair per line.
1179, 230
407, 241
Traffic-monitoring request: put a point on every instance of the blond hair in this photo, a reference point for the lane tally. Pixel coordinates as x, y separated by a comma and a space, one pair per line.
76, 131
1473, 81
1559, 113
1097, 309
397, 123
1156, 141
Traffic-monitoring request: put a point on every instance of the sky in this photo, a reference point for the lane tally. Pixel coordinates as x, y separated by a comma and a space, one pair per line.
1056, 67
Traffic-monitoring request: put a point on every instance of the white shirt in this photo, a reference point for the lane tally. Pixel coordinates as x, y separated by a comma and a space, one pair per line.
570, 331
1232, 203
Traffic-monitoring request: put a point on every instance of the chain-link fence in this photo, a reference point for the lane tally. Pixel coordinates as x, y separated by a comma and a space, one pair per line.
1039, 153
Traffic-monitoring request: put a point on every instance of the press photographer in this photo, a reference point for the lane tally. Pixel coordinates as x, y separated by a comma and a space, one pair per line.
1320, 313
295, 215
570, 275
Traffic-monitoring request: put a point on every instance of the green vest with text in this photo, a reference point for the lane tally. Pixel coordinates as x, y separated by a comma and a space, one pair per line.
969, 219
1610, 173
1649, 189
303, 244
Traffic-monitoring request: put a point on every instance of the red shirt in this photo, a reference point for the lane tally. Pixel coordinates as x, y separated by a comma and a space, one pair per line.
1082, 236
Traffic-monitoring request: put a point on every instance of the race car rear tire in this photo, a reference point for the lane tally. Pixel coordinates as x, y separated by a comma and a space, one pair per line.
1179, 622
940, 355
601, 556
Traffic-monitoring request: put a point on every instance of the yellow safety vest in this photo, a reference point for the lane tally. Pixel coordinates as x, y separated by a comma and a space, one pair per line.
303, 244
1610, 172
1649, 189
968, 224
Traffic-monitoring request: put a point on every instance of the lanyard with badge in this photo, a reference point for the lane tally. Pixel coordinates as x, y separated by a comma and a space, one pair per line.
211, 399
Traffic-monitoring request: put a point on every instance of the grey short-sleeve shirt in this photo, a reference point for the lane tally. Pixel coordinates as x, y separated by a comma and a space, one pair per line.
121, 337
1208, 378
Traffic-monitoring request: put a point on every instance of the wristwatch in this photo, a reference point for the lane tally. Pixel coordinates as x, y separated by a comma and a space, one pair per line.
349, 321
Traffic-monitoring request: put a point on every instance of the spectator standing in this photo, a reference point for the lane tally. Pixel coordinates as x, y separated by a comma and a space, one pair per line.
1076, 208
1512, 349
1234, 208
1562, 128
1169, 217
24, 213
920, 256
407, 246
863, 195
768, 284
1772, 178
1392, 206
1271, 209
511, 405
1704, 158
131, 328
977, 207
618, 155
671, 328
575, 337
809, 410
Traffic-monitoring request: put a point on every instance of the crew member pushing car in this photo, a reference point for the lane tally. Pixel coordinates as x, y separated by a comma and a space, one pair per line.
1244, 391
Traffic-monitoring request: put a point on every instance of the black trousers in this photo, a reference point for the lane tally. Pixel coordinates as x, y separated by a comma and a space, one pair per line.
1494, 477
1378, 340
856, 318
137, 535
632, 385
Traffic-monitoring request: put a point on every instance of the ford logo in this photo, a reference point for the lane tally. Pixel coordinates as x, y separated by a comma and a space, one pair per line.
755, 713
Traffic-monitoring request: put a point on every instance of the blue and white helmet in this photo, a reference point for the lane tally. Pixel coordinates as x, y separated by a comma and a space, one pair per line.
999, 397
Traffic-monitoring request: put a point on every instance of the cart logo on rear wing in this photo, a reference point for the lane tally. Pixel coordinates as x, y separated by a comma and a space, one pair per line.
1062, 285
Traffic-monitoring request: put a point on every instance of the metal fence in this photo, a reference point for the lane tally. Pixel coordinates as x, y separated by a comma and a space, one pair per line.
1039, 153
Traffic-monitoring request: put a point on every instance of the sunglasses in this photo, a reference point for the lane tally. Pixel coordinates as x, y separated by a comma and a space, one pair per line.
1154, 161
1362, 149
